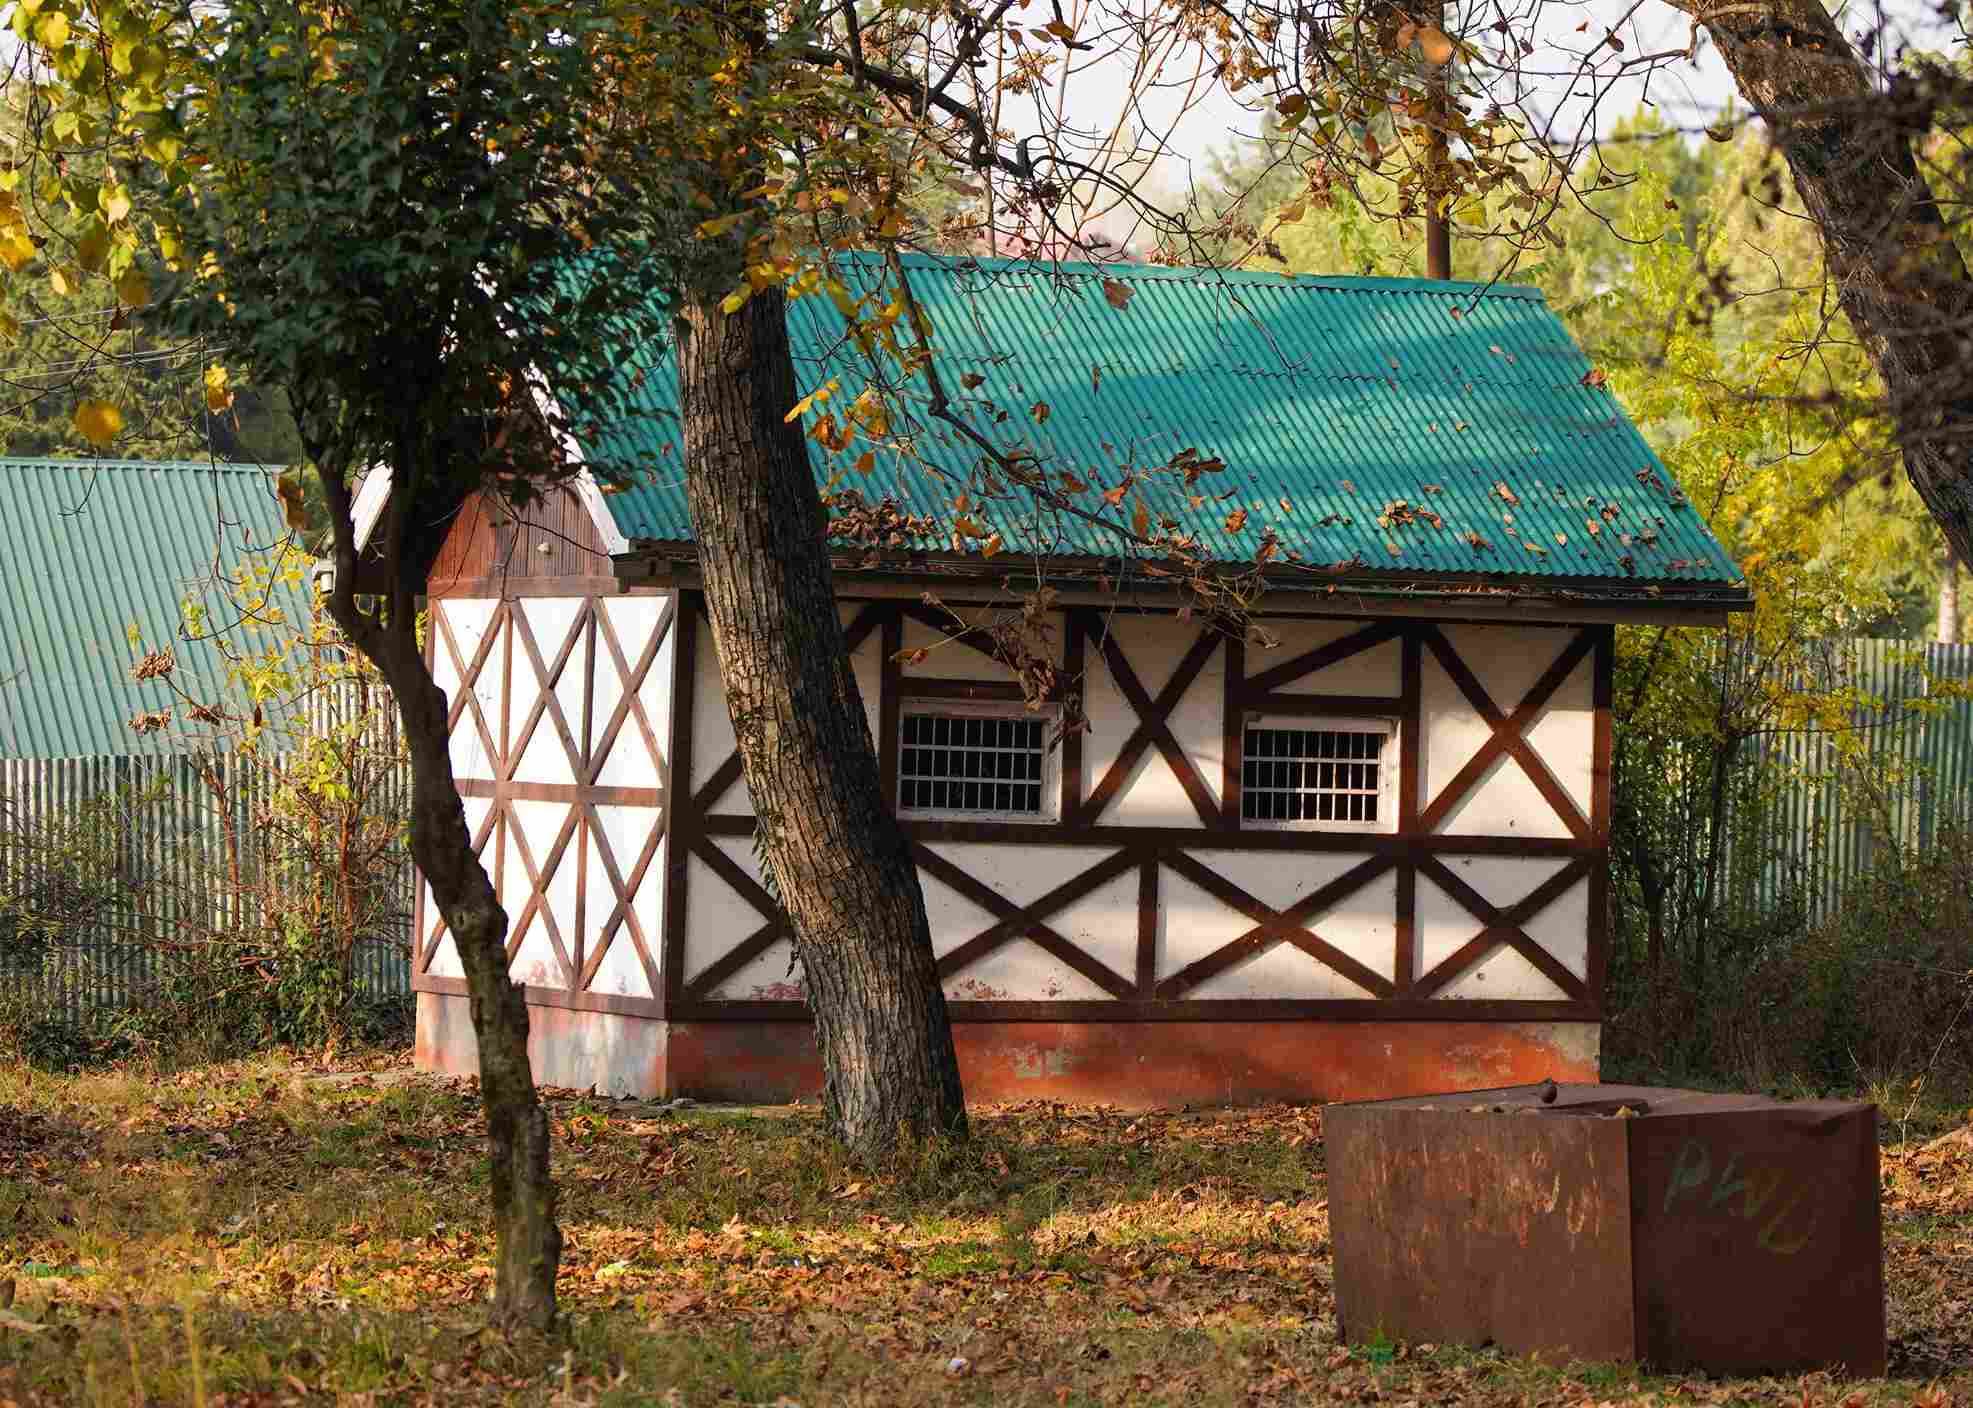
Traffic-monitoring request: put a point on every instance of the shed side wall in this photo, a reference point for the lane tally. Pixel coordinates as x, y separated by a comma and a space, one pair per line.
1147, 898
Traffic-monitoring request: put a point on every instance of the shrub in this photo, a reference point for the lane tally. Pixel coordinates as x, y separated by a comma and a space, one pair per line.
219, 900
1878, 994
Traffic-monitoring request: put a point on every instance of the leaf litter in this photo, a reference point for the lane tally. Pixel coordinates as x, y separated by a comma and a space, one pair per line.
327, 1243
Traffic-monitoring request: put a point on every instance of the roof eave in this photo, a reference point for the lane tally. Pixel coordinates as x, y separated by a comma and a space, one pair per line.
1293, 590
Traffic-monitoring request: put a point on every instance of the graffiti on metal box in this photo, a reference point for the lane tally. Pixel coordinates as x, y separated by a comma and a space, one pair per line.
1777, 1206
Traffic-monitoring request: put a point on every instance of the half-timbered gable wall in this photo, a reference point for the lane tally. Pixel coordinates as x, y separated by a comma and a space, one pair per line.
561, 690
1148, 932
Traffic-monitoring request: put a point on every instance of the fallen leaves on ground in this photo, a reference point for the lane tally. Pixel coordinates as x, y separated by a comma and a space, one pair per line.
321, 1237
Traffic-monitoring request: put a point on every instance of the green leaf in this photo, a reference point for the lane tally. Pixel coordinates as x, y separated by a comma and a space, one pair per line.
133, 288
92, 250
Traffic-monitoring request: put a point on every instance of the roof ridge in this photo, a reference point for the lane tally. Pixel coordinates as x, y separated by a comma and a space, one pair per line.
197, 466
1367, 283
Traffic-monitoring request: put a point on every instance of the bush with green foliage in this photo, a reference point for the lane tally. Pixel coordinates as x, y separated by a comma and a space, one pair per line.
222, 899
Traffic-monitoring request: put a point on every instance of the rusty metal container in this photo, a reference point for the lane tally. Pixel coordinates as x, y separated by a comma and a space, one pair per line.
1683, 1230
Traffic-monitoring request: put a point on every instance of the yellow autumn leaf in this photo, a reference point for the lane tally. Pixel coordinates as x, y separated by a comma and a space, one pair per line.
10, 327
1432, 42
814, 398
218, 395
54, 30
99, 422
867, 410
17, 250
66, 282
733, 301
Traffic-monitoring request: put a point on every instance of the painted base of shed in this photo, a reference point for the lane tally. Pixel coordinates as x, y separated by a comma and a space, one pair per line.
1133, 1064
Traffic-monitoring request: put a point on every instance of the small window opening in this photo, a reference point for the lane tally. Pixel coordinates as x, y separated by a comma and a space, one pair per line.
1330, 776
954, 764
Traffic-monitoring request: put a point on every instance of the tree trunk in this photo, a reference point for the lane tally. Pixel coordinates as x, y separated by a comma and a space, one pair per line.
1949, 598
1899, 276
840, 862
528, 1243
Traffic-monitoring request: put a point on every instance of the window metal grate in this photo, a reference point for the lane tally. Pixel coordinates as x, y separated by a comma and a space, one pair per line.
971, 763
1311, 775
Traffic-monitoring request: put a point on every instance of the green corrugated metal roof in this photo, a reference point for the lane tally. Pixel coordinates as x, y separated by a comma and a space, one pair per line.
92, 547
1330, 399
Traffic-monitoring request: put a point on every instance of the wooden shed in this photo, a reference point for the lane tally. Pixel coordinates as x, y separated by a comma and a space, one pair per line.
1361, 851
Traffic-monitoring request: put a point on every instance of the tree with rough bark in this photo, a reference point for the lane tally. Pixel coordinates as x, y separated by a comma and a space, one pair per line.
445, 230
437, 225
398, 215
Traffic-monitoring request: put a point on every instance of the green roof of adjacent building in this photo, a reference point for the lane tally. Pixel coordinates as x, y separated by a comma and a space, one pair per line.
1403, 427
93, 548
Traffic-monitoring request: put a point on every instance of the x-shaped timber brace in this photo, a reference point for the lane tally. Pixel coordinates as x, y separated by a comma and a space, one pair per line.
1417, 846
587, 744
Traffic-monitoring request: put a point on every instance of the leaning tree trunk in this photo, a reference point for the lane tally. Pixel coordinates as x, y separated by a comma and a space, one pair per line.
1899, 276
839, 859
528, 1242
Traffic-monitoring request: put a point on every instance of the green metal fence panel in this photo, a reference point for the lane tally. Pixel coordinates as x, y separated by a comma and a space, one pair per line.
167, 873
1805, 822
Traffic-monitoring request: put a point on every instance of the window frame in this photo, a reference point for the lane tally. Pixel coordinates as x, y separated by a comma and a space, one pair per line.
1049, 716
1387, 769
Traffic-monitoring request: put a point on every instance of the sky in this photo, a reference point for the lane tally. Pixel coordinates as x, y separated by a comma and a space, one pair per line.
1576, 83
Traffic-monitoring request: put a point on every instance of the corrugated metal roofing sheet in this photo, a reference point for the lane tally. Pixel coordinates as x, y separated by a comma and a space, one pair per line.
1332, 400
92, 547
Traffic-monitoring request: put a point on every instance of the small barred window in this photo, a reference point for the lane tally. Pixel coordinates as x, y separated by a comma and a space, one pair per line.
1311, 775
972, 764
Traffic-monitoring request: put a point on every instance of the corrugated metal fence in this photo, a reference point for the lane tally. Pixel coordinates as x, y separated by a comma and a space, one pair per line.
1805, 823
137, 854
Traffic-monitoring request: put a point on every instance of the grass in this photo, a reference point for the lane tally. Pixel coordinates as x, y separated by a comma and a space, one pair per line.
245, 1234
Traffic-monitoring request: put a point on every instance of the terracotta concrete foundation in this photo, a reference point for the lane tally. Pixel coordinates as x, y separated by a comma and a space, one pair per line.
1133, 1064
